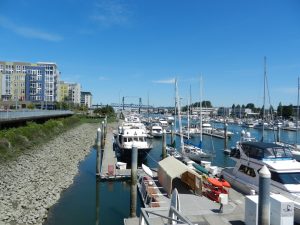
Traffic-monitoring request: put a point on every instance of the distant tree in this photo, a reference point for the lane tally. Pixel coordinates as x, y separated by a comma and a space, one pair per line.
206, 104
250, 106
31, 106
233, 106
238, 106
287, 111
105, 111
279, 109
261, 111
184, 108
243, 106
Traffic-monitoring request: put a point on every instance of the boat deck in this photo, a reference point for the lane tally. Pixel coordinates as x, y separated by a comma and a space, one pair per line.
200, 210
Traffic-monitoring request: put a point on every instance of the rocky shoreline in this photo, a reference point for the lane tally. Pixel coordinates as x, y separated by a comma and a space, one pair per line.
31, 184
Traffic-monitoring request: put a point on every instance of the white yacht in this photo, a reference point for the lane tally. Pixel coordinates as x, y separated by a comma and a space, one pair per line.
156, 130
250, 157
127, 135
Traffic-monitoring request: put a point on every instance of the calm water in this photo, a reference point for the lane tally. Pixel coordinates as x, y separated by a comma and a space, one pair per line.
108, 203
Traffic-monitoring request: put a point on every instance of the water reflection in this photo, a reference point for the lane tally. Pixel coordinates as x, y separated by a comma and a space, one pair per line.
97, 202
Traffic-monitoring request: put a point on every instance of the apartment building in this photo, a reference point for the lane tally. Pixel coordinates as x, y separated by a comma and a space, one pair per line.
86, 99
28, 81
70, 92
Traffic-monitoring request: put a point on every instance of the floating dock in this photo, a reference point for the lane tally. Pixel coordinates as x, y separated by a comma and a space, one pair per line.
200, 210
108, 169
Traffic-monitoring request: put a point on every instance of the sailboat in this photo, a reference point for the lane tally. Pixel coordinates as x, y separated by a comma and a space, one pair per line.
193, 152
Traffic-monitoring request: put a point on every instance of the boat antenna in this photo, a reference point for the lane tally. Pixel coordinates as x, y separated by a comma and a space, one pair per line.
264, 102
297, 119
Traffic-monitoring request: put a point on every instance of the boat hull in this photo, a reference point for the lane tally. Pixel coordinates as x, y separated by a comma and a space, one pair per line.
246, 188
126, 153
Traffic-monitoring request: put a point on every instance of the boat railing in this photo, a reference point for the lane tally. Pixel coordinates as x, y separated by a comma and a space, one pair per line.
149, 216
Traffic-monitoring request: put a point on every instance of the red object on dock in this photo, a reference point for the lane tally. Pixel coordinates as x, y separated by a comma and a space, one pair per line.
111, 170
214, 187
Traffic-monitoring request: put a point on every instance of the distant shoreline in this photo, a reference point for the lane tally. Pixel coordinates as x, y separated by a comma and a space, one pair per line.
32, 183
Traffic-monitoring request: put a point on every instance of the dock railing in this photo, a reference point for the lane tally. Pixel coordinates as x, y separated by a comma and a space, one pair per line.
145, 219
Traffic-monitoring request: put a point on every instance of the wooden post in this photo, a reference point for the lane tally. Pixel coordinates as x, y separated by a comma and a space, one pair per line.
105, 127
225, 135
102, 139
133, 191
172, 134
98, 146
278, 133
164, 144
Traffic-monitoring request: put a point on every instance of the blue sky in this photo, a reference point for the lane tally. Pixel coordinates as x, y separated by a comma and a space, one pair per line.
135, 48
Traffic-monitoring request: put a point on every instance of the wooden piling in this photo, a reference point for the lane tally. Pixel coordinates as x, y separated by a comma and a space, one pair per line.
102, 139
164, 144
98, 146
172, 134
225, 135
133, 191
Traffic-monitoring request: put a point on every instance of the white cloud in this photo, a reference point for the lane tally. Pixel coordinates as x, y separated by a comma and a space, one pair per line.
111, 12
28, 32
287, 90
102, 78
169, 81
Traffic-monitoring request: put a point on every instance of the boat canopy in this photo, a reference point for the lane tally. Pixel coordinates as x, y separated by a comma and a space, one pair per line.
266, 151
170, 168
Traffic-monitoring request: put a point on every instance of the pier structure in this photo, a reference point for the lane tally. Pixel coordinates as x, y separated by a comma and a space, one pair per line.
109, 160
22, 116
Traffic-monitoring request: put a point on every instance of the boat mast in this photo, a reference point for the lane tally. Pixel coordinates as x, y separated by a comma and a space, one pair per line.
175, 109
297, 119
179, 117
188, 119
200, 144
148, 108
188, 115
264, 103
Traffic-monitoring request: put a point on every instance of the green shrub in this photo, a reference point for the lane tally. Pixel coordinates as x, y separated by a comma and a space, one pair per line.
13, 141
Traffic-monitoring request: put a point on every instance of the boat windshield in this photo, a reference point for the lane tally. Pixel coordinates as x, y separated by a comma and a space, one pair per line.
278, 152
257, 151
286, 178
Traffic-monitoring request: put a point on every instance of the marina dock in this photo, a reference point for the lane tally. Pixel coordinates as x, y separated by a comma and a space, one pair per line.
200, 210
109, 160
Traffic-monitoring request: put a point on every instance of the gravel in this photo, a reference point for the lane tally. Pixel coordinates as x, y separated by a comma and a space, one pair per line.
31, 184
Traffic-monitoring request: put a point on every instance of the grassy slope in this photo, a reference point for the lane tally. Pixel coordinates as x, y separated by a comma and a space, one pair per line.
17, 141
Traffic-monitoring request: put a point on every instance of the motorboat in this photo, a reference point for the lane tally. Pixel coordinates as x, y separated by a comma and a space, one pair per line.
248, 123
191, 131
171, 151
156, 130
163, 122
195, 153
129, 135
251, 156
